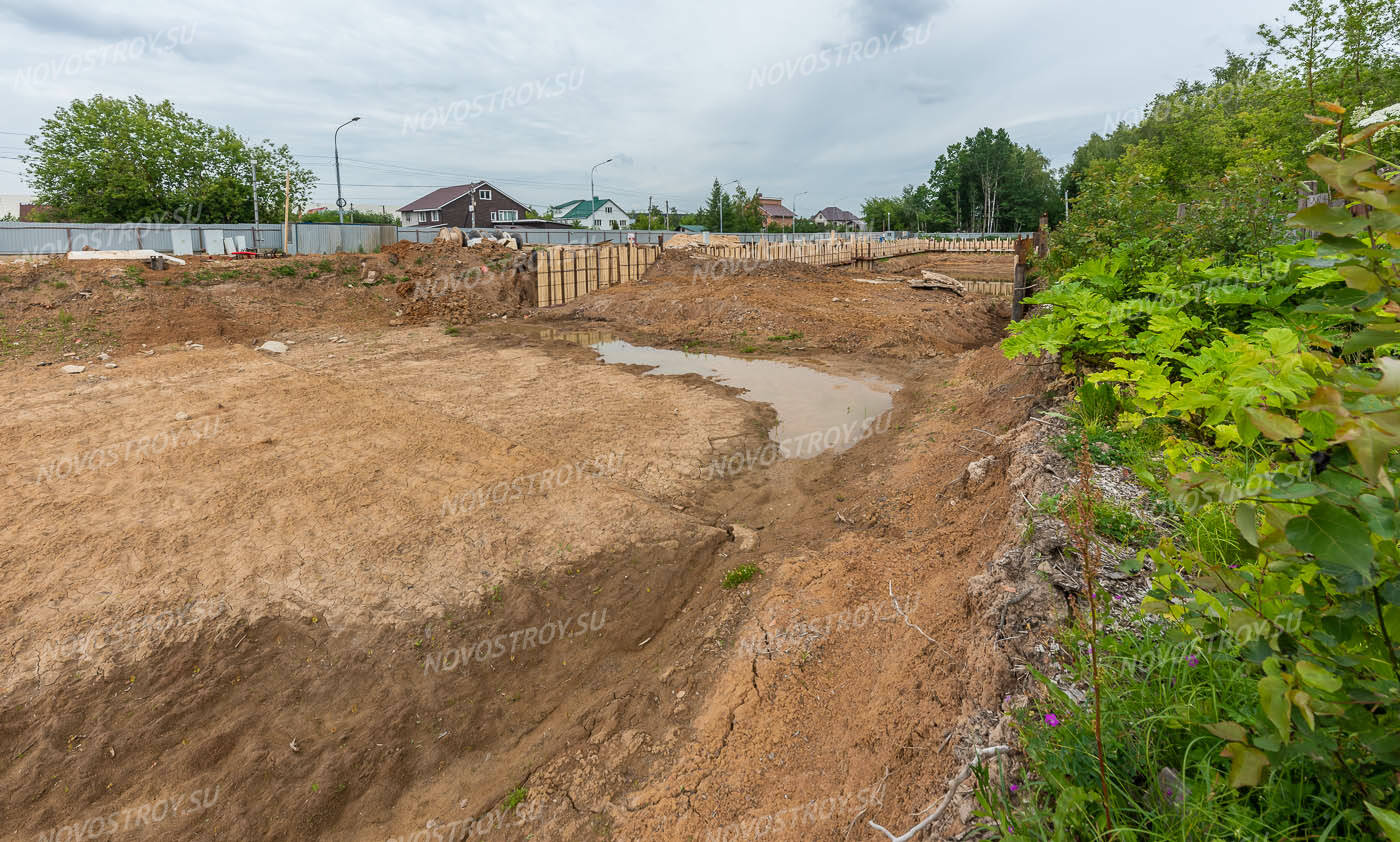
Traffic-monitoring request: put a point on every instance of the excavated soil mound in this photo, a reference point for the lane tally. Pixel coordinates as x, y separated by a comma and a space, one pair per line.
82, 307
965, 266
441, 281
772, 306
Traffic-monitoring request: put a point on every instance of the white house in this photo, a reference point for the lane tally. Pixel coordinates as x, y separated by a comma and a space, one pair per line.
832, 215
599, 213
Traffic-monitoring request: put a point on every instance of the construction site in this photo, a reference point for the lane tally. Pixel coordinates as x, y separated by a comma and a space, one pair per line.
693, 541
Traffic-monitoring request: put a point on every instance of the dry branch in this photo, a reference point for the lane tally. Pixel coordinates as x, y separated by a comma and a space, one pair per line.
977, 758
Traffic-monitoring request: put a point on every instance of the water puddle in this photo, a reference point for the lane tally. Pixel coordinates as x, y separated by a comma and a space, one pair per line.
817, 412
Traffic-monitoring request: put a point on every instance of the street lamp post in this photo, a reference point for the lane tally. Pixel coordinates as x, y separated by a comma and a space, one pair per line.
592, 193
721, 202
339, 199
794, 213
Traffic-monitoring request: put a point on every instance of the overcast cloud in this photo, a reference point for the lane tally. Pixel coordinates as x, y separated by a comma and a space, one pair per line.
838, 98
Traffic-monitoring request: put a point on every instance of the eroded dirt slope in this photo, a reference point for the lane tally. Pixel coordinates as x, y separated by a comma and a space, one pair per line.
739, 308
277, 608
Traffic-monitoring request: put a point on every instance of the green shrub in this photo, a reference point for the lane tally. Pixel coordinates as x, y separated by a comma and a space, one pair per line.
1274, 376
739, 575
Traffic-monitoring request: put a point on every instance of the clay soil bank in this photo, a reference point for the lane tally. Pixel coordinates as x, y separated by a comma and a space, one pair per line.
399, 576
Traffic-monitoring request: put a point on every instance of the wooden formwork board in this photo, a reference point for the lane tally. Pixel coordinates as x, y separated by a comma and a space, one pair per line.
563, 273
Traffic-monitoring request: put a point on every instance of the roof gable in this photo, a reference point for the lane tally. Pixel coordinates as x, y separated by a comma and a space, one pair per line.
831, 213
440, 197
585, 208
773, 207
444, 196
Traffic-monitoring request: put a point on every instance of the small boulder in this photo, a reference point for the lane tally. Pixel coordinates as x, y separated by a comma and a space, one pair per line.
74, 369
272, 346
745, 537
182, 416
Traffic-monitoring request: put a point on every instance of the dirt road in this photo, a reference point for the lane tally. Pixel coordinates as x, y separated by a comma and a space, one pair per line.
400, 580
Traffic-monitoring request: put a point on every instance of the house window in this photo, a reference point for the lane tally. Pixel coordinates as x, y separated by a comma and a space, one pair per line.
436, 217
483, 194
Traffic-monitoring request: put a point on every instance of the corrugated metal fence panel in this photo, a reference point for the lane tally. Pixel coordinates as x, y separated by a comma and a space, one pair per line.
55, 238
327, 238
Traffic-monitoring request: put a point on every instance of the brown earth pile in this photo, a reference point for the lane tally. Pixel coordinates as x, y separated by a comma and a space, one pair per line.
82, 307
440, 281
773, 306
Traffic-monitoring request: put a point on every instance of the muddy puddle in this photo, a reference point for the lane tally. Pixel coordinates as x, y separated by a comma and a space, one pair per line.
816, 411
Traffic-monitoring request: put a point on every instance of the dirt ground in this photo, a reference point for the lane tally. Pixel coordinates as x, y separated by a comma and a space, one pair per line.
319, 583
779, 307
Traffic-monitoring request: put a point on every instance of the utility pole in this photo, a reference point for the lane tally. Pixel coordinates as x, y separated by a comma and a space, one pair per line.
339, 199
255, 204
593, 193
1066, 204
287, 214
668, 215
794, 213
648, 213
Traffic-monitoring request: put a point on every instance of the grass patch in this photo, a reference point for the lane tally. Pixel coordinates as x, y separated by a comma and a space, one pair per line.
748, 349
740, 575
1115, 522
515, 798
1164, 693
285, 270
452, 330
786, 337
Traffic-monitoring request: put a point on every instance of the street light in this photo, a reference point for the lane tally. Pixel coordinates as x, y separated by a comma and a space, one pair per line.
794, 213
339, 199
592, 193
721, 202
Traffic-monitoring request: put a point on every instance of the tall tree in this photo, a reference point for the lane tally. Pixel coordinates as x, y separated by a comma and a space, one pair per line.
1304, 42
128, 160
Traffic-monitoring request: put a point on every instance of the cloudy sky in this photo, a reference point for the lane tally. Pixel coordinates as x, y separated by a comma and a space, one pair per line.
838, 99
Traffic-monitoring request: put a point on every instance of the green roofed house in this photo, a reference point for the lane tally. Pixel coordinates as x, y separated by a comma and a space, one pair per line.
598, 213
691, 229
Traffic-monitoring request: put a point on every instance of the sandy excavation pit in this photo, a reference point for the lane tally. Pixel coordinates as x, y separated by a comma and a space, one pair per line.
297, 596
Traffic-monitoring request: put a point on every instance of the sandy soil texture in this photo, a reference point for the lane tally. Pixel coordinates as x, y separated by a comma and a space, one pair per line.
468, 583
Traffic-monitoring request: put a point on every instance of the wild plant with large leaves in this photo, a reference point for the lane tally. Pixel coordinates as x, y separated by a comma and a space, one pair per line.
1316, 603
1279, 380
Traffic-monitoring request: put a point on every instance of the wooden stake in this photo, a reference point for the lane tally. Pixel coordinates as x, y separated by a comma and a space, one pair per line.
286, 212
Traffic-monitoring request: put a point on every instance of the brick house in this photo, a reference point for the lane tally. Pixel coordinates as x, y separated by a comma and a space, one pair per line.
774, 214
477, 205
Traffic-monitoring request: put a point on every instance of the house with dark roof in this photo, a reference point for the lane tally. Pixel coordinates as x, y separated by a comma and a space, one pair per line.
595, 213
774, 214
476, 205
832, 215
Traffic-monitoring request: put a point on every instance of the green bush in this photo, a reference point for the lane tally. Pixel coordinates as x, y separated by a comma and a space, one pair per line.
739, 575
1284, 410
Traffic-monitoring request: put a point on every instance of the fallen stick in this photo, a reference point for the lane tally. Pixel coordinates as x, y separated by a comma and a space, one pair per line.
982, 754
907, 621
